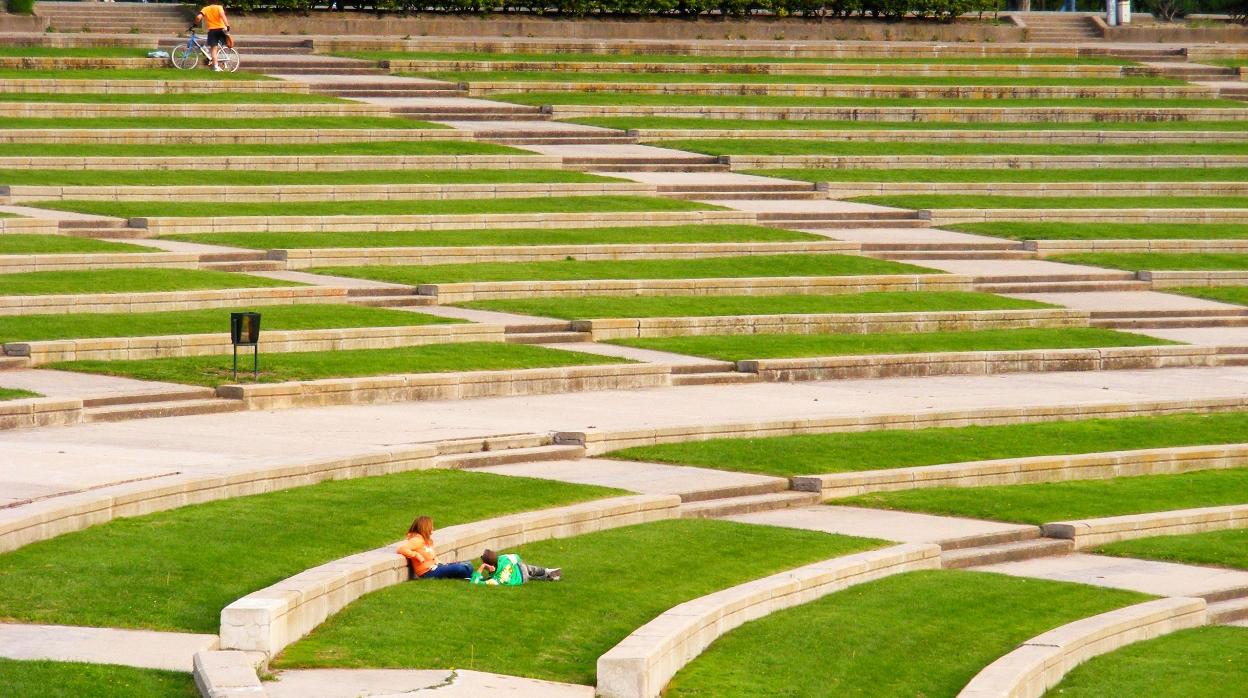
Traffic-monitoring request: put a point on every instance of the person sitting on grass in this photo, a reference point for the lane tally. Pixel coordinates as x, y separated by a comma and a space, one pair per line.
510, 570
418, 549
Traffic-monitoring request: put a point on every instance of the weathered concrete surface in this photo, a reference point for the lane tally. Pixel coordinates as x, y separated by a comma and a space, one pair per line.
80, 385
646, 478
393, 683
1147, 576
137, 648
898, 526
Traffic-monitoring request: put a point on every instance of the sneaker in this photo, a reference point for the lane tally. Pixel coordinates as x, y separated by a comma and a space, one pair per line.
216, 68
554, 574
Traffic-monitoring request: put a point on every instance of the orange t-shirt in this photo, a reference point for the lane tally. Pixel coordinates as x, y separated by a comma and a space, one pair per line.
419, 552
214, 17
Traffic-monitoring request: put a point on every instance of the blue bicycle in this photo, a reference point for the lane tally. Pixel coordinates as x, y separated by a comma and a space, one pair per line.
186, 56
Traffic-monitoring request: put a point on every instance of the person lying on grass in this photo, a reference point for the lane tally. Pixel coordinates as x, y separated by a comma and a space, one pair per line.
418, 549
510, 570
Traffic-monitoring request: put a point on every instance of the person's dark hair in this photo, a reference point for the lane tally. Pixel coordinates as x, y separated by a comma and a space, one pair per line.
422, 525
489, 557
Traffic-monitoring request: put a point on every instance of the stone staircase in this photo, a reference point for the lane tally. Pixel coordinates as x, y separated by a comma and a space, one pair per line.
115, 17
1061, 283
1169, 319
98, 228
482, 111
831, 220
687, 163
1060, 27
553, 137
353, 90
384, 297
947, 250
712, 373
712, 192
173, 403
240, 261
545, 333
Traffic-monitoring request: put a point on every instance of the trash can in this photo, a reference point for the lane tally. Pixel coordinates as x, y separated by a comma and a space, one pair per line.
1124, 11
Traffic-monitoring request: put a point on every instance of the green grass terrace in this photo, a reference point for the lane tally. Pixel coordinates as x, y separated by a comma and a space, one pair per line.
1109, 174
76, 679
790, 346
622, 235
431, 147
1160, 261
32, 328
140, 572
891, 637
691, 123
1185, 664
214, 371
577, 270
800, 146
680, 58
386, 207
44, 283
239, 177
1105, 231
73, 52
219, 124
813, 454
22, 243
606, 593
762, 79
589, 307
939, 201
171, 98
631, 99
1062, 501
1219, 548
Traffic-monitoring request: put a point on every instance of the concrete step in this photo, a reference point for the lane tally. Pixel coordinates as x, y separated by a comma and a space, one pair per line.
549, 337
719, 378
964, 254
729, 195
1005, 552
179, 408
482, 459
410, 301
233, 256
12, 363
1222, 595
562, 140
1183, 313
1172, 323
1228, 611
647, 167
266, 265
93, 223
845, 223
708, 367
748, 504
350, 93
174, 395
110, 233
1062, 286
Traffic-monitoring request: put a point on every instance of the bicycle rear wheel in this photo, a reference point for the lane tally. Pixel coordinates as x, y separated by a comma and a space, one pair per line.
227, 58
184, 57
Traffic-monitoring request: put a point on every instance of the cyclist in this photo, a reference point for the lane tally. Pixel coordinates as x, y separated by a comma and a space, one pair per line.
214, 20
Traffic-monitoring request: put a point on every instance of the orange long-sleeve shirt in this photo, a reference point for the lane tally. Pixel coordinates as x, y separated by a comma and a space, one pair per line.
419, 553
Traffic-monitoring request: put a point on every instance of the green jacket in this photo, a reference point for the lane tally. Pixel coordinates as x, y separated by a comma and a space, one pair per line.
508, 572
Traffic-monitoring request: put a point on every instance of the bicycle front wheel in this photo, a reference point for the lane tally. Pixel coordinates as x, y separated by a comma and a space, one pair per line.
227, 58
184, 57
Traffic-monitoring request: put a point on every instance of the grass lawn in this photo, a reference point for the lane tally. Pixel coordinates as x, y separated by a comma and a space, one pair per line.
230, 149
677, 122
1185, 664
1061, 501
658, 234
1160, 261
1220, 548
1109, 174
21, 243
574, 270
1224, 294
939, 201
30, 328
164, 73
807, 454
43, 283
73, 52
238, 177
176, 570
383, 207
213, 371
588, 307
77, 679
672, 58
163, 122
171, 98
783, 346
15, 394
605, 595
1106, 231
804, 146
891, 637
625, 98
623, 78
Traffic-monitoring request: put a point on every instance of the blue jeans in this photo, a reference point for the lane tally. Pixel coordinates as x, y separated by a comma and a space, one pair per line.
454, 570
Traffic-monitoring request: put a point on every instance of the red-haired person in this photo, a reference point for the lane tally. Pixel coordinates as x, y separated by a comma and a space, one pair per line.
418, 549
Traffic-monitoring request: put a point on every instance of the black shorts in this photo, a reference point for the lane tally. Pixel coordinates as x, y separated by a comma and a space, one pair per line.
216, 37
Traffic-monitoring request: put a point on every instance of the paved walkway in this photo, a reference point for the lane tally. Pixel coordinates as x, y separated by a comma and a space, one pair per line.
189, 247
902, 235
649, 356
896, 526
1013, 267
1147, 576
643, 478
799, 206
67, 384
138, 648
304, 277
699, 178
397, 683
1209, 336
1124, 301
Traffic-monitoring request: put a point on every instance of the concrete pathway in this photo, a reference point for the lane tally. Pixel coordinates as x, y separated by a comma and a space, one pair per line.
644, 478
194, 444
137, 648
304, 277
1206, 336
611, 150
798, 206
649, 356
527, 127
189, 247
1147, 576
1124, 301
700, 178
896, 526
484, 316
901, 236
397, 683
67, 384
1013, 267
54, 215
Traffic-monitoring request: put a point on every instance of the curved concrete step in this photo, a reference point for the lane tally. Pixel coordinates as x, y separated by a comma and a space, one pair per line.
1005, 552
747, 504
